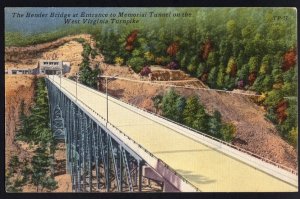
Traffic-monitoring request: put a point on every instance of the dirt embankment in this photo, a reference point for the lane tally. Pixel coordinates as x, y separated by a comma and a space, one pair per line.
65, 49
17, 89
20, 88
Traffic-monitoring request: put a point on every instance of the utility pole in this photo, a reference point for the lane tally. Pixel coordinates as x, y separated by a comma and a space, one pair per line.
106, 101
76, 85
60, 78
106, 85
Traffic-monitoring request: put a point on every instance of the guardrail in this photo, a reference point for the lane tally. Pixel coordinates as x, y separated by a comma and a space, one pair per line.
140, 146
199, 132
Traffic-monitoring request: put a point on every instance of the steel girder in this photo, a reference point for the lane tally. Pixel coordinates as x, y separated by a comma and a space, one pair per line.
95, 158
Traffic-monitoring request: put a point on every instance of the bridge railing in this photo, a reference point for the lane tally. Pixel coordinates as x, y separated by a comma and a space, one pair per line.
199, 132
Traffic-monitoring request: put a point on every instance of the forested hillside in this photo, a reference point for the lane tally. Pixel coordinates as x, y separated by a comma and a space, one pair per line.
245, 48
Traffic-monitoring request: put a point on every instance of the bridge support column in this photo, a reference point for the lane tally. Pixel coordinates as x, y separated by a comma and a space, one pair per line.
91, 147
140, 176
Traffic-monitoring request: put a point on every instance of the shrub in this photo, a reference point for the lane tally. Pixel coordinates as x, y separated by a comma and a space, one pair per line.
148, 56
173, 65
145, 71
136, 63
119, 61
80, 40
162, 60
228, 130
293, 136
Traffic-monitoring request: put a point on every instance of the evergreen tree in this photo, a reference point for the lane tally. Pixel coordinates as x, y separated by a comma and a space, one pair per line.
214, 125
190, 111
41, 171
253, 64
220, 78
180, 105
212, 76
171, 105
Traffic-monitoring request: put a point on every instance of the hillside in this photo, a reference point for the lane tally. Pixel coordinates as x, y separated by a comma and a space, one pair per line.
21, 89
17, 90
254, 132
65, 49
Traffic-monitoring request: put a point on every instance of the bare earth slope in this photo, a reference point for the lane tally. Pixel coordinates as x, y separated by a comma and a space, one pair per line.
16, 89
65, 49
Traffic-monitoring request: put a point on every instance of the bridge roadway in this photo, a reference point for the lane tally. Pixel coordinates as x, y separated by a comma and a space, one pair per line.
208, 169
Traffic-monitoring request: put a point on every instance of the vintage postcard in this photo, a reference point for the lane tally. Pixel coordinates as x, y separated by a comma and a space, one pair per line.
162, 99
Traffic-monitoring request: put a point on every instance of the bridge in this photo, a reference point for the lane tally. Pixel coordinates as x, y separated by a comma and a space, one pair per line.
115, 153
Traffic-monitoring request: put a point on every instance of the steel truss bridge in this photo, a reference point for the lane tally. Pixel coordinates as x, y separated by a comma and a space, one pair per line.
115, 153
94, 154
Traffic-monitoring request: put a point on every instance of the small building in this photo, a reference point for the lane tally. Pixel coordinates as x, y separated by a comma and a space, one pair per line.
48, 67
53, 67
18, 71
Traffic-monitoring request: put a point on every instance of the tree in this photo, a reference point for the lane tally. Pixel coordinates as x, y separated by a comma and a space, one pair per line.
277, 74
265, 65
220, 77
192, 68
87, 76
214, 125
201, 120
12, 181
273, 98
157, 101
253, 64
231, 27
243, 73
205, 49
231, 67
169, 108
173, 49
247, 31
212, 60
257, 85
36, 130
212, 76
41, 170
285, 127
267, 83
137, 63
190, 111
293, 136
180, 105
194, 114
228, 131
149, 57
289, 59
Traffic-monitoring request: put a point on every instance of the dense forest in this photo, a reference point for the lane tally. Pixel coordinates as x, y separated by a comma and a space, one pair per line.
228, 48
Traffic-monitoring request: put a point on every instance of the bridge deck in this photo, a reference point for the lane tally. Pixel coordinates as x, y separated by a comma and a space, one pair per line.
206, 168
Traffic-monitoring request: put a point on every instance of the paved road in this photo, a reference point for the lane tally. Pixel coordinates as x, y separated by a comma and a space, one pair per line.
206, 168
